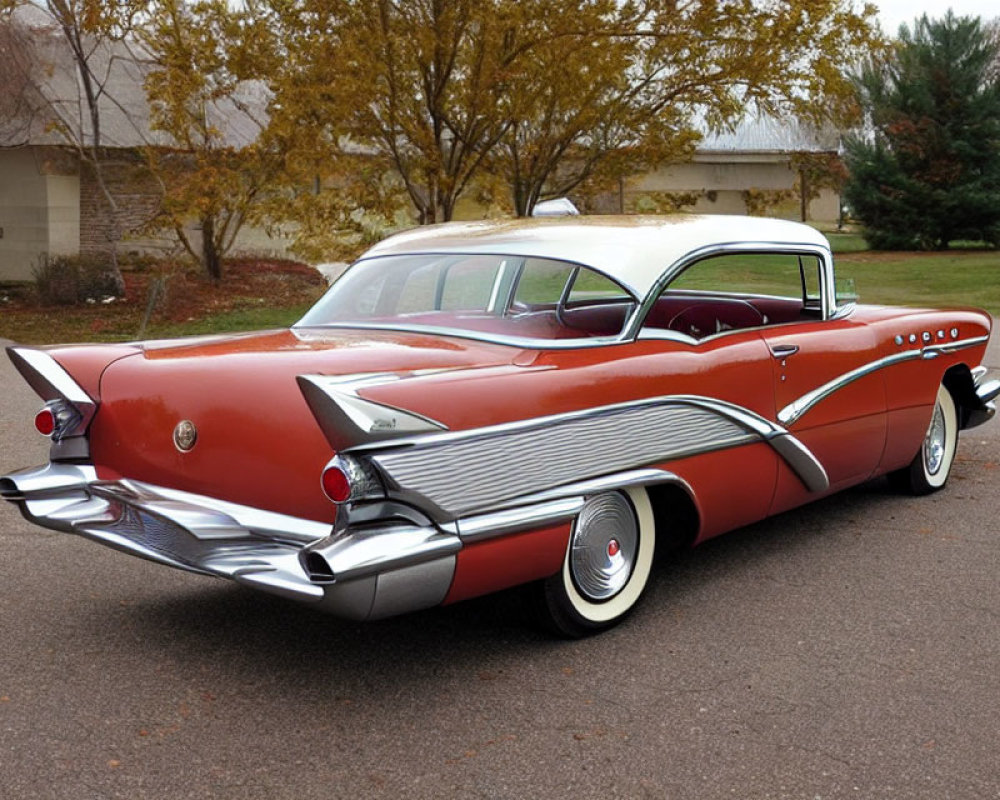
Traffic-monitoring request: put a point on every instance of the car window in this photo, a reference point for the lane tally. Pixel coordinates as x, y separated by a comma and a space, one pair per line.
735, 291
542, 282
486, 294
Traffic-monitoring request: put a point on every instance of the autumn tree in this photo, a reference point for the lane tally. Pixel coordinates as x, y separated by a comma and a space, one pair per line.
926, 168
415, 86
550, 95
212, 165
611, 89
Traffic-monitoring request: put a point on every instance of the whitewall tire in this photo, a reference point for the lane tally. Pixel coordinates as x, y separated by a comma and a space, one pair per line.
931, 466
607, 565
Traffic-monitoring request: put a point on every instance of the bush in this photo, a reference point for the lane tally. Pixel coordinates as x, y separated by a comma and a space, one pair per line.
68, 280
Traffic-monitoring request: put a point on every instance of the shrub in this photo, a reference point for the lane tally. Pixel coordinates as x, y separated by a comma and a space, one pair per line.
68, 280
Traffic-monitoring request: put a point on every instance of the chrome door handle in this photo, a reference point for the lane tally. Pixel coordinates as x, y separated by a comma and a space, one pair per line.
784, 350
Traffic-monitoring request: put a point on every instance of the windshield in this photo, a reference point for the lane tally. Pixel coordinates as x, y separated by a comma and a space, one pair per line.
494, 296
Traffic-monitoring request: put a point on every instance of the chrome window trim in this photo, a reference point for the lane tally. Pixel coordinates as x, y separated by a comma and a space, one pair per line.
633, 326
635, 323
521, 342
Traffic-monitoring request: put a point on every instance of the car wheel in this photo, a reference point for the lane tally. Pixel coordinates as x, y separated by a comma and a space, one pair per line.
930, 467
606, 568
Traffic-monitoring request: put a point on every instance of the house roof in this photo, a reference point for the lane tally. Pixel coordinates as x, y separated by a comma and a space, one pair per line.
57, 99
765, 134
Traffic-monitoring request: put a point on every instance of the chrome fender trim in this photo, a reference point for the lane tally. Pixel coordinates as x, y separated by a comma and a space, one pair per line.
50, 382
794, 411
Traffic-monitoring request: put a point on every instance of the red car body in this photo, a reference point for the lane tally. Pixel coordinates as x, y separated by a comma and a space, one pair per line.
373, 463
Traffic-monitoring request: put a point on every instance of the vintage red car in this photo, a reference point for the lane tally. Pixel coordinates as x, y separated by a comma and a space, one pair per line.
474, 406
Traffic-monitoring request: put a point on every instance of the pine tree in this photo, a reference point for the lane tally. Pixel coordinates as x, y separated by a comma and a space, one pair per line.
926, 169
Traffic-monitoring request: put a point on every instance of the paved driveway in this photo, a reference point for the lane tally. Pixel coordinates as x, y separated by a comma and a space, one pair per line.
848, 649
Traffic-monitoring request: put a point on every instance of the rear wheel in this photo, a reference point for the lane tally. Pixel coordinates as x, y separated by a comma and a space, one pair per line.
606, 568
931, 466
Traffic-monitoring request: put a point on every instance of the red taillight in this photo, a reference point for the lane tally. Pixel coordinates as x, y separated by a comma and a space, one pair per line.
45, 422
337, 484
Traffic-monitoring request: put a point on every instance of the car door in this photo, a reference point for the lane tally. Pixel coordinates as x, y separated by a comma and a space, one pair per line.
826, 393
816, 360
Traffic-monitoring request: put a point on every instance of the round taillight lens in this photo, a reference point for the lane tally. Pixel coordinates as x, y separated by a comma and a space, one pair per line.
336, 484
45, 422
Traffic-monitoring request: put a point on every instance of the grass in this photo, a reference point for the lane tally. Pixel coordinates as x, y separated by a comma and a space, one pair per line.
254, 294
951, 278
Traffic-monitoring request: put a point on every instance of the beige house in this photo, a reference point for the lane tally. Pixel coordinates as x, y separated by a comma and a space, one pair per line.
749, 170
51, 202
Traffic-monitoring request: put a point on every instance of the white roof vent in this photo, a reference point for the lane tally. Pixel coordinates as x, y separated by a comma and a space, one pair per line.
560, 207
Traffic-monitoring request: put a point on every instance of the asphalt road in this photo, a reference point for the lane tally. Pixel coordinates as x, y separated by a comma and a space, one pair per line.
845, 650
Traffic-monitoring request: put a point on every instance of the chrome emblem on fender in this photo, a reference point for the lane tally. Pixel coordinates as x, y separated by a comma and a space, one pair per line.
185, 435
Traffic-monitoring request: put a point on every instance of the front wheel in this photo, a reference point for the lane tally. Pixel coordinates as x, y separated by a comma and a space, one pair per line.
606, 568
930, 467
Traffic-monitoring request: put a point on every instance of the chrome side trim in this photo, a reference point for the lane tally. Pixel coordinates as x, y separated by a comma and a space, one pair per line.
951, 347
802, 461
460, 474
455, 474
791, 413
515, 520
554, 505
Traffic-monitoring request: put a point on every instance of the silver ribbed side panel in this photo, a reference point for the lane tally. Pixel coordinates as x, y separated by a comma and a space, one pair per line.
479, 471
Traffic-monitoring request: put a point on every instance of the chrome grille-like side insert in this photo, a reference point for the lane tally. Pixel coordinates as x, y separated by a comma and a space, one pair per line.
471, 471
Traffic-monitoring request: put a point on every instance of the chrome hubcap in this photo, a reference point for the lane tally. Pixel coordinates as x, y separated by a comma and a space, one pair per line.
605, 543
934, 442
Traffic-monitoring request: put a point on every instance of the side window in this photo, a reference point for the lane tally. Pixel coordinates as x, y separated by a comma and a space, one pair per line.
590, 286
738, 291
542, 282
468, 284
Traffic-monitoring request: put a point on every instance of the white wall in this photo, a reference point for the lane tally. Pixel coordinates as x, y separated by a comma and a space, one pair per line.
39, 213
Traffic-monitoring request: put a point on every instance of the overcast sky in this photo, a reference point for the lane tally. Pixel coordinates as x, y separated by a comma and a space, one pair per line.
893, 12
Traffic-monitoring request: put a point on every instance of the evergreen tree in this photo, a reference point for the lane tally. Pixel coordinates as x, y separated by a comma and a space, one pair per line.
926, 169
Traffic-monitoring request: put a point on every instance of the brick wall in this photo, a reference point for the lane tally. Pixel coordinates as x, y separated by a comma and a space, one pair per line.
136, 194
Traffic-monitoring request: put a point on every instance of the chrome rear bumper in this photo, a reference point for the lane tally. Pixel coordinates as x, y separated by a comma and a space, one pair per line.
387, 568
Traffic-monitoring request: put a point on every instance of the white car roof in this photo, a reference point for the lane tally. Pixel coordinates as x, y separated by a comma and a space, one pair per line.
634, 250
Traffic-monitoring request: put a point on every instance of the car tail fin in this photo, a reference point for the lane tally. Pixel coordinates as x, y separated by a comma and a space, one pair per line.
57, 388
348, 420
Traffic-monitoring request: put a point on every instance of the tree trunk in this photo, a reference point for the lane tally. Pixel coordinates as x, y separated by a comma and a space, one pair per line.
210, 257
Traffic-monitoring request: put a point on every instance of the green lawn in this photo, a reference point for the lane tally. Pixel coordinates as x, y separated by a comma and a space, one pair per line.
953, 278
